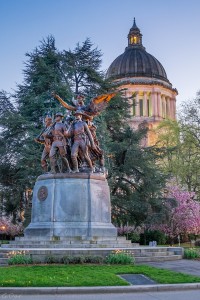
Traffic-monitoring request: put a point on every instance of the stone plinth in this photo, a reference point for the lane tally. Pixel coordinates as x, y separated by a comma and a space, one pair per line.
71, 207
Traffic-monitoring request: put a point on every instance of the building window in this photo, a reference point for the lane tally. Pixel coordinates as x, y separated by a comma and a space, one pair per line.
134, 104
141, 107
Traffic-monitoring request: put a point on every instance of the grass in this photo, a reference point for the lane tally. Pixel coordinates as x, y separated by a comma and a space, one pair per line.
83, 275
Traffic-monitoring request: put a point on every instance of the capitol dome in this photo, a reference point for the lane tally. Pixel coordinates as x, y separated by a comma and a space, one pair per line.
144, 81
135, 61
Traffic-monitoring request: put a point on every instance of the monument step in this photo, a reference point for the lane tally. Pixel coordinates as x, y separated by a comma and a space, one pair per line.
3, 261
70, 239
30, 246
157, 258
39, 254
151, 254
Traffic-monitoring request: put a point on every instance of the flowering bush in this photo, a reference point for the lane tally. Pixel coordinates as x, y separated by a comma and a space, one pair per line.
120, 257
19, 258
191, 253
8, 228
183, 219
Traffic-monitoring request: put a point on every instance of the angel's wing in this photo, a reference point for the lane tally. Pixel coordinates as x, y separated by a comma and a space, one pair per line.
98, 104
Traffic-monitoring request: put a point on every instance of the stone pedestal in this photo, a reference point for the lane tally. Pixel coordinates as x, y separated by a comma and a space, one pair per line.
71, 207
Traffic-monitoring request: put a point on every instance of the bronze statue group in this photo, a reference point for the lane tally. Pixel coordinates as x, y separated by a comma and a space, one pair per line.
71, 144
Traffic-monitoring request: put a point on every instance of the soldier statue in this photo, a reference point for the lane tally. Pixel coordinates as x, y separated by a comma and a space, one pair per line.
47, 142
74, 140
58, 133
79, 132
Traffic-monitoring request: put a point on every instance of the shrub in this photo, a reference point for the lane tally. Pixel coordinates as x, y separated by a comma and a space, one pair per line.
191, 253
93, 259
130, 232
51, 259
154, 235
19, 258
197, 243
120, 257
69, 259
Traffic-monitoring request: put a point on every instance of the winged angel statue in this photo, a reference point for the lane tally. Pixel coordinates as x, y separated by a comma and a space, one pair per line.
74, 139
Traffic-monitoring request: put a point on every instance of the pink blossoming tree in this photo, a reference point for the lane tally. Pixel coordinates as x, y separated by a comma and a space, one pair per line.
184, 218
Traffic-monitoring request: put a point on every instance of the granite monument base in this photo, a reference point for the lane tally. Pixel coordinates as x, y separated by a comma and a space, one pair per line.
71, 207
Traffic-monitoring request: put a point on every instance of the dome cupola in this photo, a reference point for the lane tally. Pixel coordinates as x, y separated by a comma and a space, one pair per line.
136, 61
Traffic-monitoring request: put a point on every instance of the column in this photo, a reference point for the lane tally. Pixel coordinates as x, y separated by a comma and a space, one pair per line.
145, 105
154, 104
159, 104
137, 107
168, 107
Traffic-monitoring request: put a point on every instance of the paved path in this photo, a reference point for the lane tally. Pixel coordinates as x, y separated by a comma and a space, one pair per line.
184, 265
168, 295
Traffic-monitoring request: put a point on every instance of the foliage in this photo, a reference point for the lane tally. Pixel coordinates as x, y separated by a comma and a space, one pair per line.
134, 178
19, 258
51, 259
84, 275
80, 259
197, 243
120, 257
81, 68
152, 235
191, 253
179, 143
130, 232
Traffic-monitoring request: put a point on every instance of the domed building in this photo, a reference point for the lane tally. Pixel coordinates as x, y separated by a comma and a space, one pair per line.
142, 75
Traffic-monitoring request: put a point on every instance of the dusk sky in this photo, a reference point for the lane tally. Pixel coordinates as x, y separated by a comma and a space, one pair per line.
171, 33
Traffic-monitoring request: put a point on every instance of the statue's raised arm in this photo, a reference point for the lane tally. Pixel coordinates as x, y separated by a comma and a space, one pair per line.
63, 103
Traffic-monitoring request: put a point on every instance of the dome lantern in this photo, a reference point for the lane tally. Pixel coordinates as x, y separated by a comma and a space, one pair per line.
135, 36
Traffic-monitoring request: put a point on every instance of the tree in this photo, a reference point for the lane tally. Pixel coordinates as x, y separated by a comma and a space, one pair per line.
44, 72
134, 178
184, 217
178, 142
81, 68
20, 156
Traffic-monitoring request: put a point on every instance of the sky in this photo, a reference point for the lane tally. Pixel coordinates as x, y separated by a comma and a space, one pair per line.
170, 33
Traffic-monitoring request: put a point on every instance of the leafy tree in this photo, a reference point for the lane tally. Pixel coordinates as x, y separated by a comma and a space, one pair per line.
179, 147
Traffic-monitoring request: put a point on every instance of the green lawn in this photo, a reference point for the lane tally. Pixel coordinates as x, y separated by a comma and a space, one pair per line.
83, 275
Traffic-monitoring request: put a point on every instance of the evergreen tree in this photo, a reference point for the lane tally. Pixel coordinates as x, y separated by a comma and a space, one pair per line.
81, 68
134, 177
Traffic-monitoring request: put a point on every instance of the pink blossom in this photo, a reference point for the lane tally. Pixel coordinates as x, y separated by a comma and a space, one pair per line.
8, 228
185, 217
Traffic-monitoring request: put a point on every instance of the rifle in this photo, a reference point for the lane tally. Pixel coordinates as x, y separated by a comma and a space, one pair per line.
47, 131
